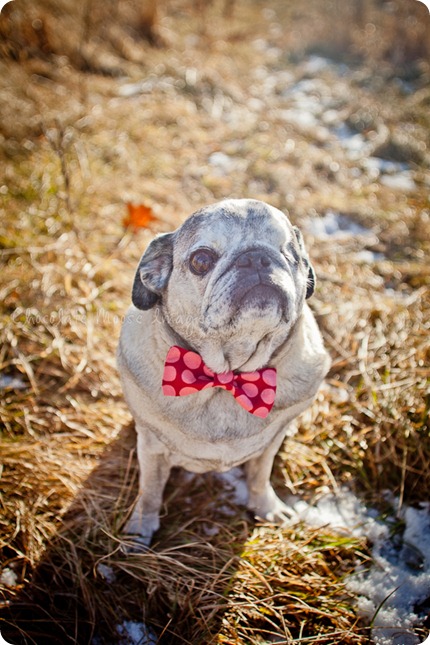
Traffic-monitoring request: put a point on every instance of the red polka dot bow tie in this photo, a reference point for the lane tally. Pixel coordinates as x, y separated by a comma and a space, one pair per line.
185, 373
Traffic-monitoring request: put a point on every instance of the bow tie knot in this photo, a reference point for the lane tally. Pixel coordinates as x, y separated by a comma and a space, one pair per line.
186, 373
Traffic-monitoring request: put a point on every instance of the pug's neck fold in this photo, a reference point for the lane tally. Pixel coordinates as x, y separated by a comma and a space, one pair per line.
238, 352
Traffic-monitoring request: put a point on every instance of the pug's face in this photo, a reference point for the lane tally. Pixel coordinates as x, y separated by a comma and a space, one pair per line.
230, 282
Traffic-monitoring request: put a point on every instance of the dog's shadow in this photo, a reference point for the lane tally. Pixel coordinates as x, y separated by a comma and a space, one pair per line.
86, 584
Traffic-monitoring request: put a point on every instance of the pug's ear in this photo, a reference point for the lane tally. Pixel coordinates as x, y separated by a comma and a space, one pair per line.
153, 272
311, 280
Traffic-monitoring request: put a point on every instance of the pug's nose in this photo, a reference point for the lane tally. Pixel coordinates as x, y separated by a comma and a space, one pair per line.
253, 259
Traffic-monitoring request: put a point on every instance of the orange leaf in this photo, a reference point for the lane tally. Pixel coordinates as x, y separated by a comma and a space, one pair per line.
139, 216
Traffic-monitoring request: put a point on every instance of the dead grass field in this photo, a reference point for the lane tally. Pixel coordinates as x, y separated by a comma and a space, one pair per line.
92, 118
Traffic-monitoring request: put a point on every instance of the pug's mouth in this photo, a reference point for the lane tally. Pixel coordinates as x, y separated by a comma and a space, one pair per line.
254, 299
260, 296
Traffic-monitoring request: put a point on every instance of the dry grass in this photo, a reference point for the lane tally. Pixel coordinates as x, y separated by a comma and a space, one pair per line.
211, 576
92, 117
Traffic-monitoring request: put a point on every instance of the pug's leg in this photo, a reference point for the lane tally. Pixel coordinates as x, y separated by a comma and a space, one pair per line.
263, 500
154, 471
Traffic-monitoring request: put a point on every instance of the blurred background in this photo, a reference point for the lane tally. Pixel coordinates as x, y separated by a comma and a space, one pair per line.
118, 119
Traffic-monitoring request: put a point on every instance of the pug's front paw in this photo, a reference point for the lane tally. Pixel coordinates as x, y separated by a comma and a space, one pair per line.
267, 506
133, 544
139, 530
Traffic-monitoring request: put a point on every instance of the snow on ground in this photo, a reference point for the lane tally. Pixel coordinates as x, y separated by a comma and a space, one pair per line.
134, 633
12, 383
234, 480
8, 578
130, 632
335, 225
394, 592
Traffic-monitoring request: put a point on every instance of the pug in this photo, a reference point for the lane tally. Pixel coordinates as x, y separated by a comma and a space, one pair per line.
219, 352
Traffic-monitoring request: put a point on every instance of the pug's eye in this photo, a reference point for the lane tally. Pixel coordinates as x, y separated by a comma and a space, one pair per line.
202, 261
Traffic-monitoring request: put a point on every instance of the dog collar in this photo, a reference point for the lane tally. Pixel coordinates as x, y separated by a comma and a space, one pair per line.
186, 373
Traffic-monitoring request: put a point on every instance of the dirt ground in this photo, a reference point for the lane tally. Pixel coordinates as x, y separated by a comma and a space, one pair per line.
324, 113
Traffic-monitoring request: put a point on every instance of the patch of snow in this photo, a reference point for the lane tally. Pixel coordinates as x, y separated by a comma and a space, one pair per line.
235, 480
417, 532
309, 88
8, 577
315, 65
354, 143
344, 513
106, 572
309, 99
134, 633
308, 95
302, 118
224, 164
331, 117
367, 257
376, 166
12, 382
390, 592
334, 225
210, 530
402, 181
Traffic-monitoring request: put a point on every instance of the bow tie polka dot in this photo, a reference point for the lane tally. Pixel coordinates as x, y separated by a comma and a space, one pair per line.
185, 373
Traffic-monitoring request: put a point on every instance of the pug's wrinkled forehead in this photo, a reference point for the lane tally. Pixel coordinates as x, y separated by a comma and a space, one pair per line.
239, 221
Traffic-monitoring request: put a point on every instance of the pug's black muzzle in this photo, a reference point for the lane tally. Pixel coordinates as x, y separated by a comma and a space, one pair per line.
255, 279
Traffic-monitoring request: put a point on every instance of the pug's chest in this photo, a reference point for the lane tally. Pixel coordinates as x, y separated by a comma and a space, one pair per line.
213, 416
215, 436
218, 434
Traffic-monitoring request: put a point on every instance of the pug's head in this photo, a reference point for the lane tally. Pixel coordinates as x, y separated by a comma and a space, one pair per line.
231, 282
